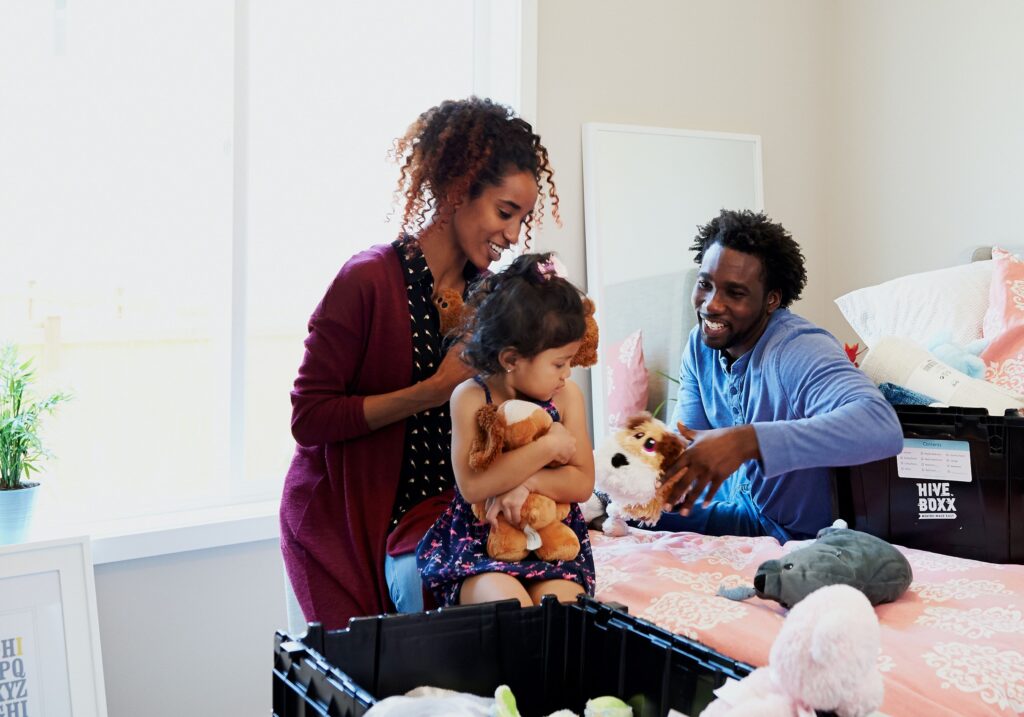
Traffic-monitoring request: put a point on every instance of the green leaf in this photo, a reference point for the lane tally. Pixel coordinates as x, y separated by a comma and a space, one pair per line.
673, 379
21, 446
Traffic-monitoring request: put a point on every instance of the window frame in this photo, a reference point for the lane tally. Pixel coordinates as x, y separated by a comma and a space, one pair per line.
250, 518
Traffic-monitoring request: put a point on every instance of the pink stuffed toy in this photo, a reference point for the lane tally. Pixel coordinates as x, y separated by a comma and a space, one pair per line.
824, 658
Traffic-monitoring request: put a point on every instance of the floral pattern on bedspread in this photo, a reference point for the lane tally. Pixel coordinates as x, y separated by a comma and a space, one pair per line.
952, 645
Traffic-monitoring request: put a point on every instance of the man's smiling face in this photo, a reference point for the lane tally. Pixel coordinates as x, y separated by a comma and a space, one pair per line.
732, 304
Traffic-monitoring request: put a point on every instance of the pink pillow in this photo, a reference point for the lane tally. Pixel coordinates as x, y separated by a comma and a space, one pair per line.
627, 379
1004, 323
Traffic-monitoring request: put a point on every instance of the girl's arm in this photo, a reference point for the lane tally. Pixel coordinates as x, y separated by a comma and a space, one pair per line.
573, 482
510, 469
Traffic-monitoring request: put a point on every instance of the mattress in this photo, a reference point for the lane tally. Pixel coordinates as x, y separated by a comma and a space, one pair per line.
952, 645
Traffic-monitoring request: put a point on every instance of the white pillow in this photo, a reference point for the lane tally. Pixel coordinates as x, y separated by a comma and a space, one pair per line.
920, 306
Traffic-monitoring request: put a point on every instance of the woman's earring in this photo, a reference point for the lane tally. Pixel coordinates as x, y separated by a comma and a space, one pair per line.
508, 369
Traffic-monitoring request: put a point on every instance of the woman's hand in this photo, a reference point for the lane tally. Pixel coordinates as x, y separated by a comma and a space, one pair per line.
509, 503
384, 409
452, 371
562, 443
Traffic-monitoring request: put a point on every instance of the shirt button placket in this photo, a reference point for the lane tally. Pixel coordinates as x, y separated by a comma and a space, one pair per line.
734, 402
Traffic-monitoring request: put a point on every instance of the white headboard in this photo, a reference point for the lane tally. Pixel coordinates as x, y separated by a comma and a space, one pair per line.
645, 192
660, 307
984, 253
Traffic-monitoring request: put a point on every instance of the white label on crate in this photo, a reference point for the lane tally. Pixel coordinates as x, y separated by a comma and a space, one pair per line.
934, 460
934, 378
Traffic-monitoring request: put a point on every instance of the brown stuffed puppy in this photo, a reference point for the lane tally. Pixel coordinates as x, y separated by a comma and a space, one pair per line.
586, 355
504, 427
630, 468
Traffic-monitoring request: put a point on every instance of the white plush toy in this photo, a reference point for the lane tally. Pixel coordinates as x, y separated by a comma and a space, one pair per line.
630, 468
825, 657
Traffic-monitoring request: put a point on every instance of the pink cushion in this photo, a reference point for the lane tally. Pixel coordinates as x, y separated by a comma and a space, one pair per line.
627, 379
1004, 323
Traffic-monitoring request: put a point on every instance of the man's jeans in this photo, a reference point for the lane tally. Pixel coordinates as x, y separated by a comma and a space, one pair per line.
732, 513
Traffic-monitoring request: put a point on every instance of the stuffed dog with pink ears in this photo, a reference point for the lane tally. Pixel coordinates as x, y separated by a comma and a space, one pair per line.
630, 469
825, 658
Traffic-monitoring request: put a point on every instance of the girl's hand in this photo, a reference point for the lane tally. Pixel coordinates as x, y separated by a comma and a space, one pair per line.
562, 443
510, 503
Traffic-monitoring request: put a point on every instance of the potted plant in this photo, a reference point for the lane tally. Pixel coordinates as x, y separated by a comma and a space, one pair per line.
21, 449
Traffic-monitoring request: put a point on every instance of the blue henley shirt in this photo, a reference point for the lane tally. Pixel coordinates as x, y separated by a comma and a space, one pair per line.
811, 408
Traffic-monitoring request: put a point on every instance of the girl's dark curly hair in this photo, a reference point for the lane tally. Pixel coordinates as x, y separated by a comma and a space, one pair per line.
754, 233
452, 151
520, 308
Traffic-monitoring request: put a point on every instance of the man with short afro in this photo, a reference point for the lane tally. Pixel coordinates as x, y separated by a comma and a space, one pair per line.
767, 400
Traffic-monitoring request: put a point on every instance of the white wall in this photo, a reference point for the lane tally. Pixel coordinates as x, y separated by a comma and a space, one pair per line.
191, 633
929, 136
731, 65
891, 129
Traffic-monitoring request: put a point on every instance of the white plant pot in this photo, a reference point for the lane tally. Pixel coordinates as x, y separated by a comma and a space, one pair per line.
16, 508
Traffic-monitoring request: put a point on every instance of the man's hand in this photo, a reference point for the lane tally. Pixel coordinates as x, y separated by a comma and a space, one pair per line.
711, 457
510, 503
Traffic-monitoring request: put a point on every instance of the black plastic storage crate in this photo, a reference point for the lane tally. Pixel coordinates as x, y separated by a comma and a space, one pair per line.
980, 517
552, 656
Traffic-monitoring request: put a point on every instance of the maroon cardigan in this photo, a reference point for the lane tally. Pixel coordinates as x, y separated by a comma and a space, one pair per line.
343, 479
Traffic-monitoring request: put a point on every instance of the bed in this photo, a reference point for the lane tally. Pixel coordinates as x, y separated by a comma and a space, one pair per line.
952, 645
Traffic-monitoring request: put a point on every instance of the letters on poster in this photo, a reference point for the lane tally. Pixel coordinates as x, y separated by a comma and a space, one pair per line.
13, 678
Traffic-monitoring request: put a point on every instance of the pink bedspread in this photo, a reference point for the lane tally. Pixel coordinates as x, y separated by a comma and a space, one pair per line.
952, 645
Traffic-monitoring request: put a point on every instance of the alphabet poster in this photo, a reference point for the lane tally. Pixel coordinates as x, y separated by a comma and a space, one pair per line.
33, 660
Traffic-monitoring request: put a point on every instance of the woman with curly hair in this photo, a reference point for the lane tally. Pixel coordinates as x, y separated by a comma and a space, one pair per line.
372, 468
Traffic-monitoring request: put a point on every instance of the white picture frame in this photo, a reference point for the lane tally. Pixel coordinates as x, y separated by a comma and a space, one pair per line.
50, 655
645, 192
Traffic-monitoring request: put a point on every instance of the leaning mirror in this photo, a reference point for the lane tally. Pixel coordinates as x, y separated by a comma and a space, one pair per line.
645, 192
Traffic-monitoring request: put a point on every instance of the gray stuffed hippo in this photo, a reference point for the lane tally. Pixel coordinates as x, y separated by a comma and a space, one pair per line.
839, 555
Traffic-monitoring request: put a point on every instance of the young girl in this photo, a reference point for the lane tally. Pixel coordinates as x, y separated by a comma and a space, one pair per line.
527, 326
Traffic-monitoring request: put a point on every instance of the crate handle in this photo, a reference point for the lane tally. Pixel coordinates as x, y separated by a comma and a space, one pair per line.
994, 438
935, 432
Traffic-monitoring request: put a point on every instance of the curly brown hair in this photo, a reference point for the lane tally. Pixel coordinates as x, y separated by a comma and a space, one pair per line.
452, 151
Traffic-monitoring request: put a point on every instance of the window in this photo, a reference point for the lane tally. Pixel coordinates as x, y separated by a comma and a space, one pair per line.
179, 182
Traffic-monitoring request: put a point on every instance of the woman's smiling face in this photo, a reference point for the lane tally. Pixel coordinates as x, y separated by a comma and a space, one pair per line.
490, 223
